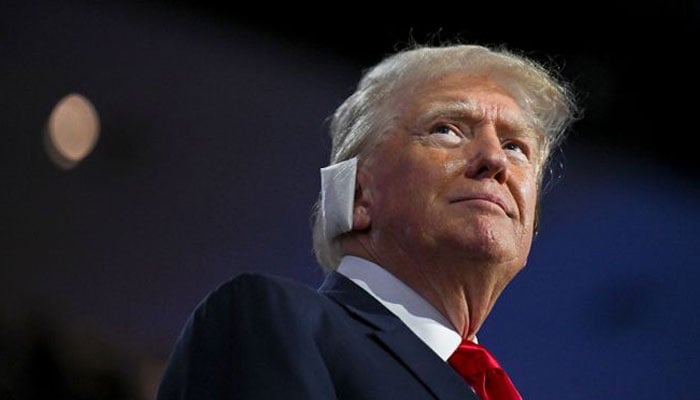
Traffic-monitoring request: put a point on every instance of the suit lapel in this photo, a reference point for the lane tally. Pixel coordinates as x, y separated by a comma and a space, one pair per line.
397, 338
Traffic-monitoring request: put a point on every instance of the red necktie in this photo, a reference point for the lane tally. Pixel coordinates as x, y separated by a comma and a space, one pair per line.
481, 370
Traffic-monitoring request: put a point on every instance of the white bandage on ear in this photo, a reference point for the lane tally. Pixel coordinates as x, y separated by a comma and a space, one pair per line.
338, 197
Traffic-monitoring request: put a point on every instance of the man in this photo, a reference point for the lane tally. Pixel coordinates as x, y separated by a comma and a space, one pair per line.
427, 211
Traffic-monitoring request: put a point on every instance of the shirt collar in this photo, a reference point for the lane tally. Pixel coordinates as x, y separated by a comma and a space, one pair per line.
412, 309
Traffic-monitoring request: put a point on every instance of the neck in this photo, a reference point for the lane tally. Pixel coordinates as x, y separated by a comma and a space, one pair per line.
464, 292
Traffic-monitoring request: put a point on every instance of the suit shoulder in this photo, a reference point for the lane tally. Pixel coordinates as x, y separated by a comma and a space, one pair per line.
258, 279
254, 282
263, 292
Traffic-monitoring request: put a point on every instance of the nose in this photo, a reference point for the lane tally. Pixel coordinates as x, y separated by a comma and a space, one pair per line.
486, 157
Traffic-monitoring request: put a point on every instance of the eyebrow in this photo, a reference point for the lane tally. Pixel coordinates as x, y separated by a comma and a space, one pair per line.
470, 109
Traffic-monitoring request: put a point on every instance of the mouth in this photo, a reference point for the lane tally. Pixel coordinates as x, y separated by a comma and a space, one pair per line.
485, 200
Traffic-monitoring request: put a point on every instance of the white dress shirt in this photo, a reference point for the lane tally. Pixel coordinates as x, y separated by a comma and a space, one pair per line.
419, 315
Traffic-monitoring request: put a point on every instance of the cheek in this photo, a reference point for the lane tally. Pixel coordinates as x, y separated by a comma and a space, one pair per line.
419, 175
452, 166
409, 188
527, 197
410, 177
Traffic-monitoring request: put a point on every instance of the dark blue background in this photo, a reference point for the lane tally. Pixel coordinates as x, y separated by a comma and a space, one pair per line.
213, 131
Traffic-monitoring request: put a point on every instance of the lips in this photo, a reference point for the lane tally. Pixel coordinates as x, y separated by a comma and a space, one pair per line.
488, 198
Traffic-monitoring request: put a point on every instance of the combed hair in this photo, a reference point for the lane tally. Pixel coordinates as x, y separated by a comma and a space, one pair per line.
361, 120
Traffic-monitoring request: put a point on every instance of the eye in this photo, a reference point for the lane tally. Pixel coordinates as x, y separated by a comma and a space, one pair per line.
445, 130
512, 146
515, 147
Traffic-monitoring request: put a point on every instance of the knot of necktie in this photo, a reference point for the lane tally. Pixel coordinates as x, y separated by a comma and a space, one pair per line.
481, 370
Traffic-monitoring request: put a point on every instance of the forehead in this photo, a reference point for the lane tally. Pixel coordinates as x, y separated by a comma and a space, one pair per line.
474, 95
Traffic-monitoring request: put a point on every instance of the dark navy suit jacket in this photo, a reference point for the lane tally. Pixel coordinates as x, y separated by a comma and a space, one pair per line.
264, 337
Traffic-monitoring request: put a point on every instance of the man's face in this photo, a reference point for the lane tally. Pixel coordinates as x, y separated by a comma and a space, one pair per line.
455, 179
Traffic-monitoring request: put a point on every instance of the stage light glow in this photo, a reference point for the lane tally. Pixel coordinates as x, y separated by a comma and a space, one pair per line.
72, 131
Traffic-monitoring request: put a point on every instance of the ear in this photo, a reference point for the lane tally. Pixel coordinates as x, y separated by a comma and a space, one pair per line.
361, 219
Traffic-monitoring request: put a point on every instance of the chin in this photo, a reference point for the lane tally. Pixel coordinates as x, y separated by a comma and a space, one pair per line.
486, 243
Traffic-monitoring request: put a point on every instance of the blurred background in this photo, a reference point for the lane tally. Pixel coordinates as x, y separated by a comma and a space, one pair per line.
201, 131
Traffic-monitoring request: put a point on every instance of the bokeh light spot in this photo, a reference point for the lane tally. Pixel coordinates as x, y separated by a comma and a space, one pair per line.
72, 131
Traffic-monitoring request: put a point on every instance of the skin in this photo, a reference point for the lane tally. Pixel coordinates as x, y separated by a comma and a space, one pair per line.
446, 201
